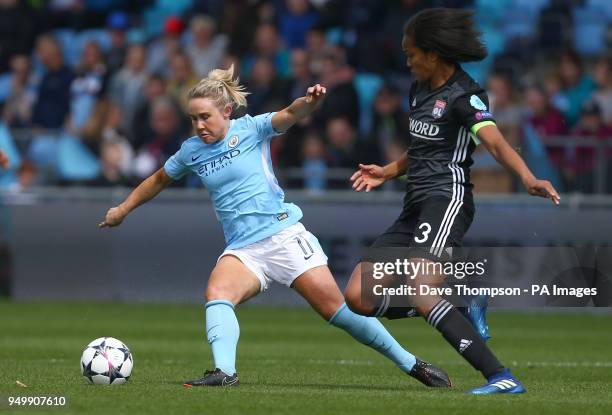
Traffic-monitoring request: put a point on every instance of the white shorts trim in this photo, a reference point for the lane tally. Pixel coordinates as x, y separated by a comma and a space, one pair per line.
281, 257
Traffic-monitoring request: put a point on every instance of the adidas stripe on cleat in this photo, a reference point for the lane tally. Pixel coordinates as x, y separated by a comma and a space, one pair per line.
503, 382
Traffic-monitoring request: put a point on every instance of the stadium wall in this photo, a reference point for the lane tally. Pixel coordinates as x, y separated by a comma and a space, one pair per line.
164, 251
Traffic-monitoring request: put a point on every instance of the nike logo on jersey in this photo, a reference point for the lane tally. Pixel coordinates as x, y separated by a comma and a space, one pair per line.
195, 158
424, 130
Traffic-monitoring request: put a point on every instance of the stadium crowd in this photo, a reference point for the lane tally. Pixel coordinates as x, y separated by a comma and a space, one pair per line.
93, 92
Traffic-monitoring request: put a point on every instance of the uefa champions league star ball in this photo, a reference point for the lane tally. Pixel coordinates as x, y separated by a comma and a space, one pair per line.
106, 361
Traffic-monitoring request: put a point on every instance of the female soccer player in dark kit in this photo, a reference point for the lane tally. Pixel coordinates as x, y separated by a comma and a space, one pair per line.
449, 115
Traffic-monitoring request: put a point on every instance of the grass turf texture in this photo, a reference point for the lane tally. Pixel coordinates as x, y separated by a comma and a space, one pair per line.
291, 361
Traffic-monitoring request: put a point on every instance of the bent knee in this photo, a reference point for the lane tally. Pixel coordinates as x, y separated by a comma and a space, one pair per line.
219, 292
354, 303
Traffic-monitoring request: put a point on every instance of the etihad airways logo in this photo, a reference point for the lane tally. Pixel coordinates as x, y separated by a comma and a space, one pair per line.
424, 130
219, 163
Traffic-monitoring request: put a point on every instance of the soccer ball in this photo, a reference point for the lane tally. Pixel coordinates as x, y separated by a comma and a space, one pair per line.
106, 361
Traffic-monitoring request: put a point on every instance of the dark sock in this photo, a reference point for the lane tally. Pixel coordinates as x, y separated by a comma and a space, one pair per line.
394, 313
460, 334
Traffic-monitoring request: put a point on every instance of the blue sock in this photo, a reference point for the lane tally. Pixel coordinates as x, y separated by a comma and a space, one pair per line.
371, 332
222, 332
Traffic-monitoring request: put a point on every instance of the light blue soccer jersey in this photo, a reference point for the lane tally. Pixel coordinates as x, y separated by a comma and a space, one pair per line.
237, 171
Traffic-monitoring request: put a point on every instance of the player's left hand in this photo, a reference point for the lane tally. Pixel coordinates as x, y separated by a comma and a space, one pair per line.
315, 94
543, 188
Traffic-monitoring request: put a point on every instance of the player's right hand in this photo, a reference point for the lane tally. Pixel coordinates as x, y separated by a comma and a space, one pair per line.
114, 217
369, 176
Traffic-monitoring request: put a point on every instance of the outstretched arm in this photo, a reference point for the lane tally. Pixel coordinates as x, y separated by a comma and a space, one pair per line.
299, 109
495, 143
145, 191
370, 176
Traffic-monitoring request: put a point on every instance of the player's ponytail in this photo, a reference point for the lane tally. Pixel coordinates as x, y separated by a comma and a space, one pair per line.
448, 32
221, 87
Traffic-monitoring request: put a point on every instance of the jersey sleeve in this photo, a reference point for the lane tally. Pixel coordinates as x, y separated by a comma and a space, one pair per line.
472, 111
263, 126
176, 166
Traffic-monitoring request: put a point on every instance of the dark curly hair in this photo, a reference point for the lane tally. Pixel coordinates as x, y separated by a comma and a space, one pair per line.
448, 32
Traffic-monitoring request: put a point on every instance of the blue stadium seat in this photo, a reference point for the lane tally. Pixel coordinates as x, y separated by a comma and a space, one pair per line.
367, 86
70, 46
519, 22
75, 161
8, 178
153, 22
604, 5
7, 144
532, 7
174, 7
5, 86
100, 36
43, 152
492, 10
590, 25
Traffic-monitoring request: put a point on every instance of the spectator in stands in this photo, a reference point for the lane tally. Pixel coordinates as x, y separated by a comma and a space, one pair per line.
140, 130
504, 106
126, 87
301, 77
117, 23
389, 121
113, 172
165, 140
163, 48
52, 105
207, 49
266, 90
314, 165
295, 22
103, 136
246, 18
4, 160
267, 44
341, 100
181, 79
543, 116
583, 160
87, 86
317, 49
17, 25
392, 151
577, 87
547, 121
603, 94
18, 106
342, 144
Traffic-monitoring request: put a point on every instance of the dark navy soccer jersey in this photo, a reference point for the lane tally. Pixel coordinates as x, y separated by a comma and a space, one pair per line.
443, 125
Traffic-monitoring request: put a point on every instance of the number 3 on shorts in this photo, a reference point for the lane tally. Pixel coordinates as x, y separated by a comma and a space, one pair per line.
425, 228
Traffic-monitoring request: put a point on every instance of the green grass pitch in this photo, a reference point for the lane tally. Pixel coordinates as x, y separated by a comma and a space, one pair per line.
291, 362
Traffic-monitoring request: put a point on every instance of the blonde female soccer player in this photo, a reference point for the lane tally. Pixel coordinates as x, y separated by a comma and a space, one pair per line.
265, 239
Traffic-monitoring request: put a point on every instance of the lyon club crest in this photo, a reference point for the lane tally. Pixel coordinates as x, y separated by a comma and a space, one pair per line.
233, 141
438, 108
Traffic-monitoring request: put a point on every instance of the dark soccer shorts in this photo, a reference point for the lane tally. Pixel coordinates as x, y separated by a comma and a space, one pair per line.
431, 226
